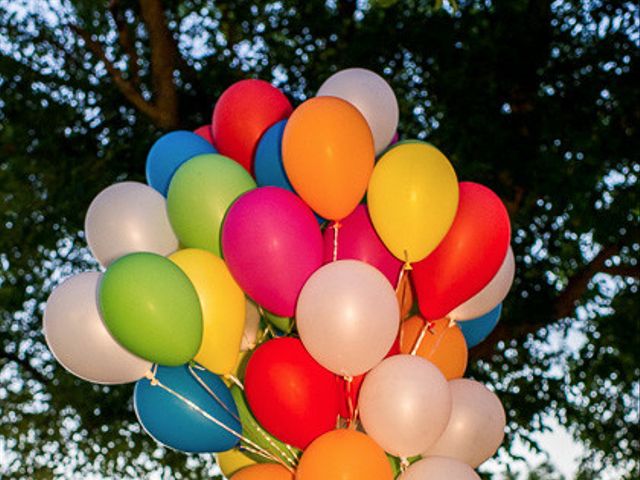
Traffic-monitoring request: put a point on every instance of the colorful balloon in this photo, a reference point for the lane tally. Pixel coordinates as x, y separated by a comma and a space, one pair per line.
265, 471
128, 217
328, 155
468, 257
412, 198
205, 132
290, 394
78, 338
268, 162
251, 326
476, 330
232, 460
151, 308
272, 244
439, 468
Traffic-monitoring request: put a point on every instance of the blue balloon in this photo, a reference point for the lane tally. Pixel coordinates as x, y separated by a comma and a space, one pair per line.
478, 329
174, 423
268, 160
169, 152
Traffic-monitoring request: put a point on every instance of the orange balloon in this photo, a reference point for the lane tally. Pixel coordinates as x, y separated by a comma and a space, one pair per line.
404, 293
263, 471
442, 344
344, 455
328, 154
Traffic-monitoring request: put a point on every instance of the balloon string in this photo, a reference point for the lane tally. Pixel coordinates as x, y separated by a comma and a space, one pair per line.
348, 381
335, 226
452, 323
235, 380
211, 392
293, 461
423, 332
404, 463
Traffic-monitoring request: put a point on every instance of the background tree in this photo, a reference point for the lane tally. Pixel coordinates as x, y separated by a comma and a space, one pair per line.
538, 100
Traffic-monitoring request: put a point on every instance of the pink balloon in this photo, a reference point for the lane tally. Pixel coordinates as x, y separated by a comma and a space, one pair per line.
357, 240
272, 244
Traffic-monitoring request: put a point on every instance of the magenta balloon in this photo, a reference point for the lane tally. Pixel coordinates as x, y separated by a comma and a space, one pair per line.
272, 244
357, 240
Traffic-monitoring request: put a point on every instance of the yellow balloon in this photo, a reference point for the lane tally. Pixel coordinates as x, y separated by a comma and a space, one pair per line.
223, 308
231, 461
412, 199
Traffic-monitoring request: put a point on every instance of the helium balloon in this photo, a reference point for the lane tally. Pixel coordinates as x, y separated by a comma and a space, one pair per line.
345, 455
412, 198
78, 338
284, 324
199, 196
328, 155
177, 424
443, 345
468, 257
272, 244
251, 326
169, 152
242, 114
347, 316
128, 217
476, 426
405, 404
372, 96
268, 162
476, 330
205, 132
151, 308
356, 239
265, 471
232, 460
223, 308
290, 394
439, 468
491, 295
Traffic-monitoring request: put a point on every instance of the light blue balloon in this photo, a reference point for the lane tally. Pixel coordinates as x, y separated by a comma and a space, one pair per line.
478, 329
171, 421
268, 160
169, 152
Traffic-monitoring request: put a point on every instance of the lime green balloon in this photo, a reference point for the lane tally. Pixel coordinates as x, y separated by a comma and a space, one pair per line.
151, 308
200, 193
284, 324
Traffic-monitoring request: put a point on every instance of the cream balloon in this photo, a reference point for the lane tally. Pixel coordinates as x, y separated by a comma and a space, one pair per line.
372, 96
491, 295
251, 326
347, 316
439, 468
128, 217
476, 427
405, 404
78, 338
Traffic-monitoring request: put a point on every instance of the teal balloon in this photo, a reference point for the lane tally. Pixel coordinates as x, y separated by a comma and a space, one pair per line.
478, 329
151, 308
174, 423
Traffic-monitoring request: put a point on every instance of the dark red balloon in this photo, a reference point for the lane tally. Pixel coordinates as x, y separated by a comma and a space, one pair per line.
468, 257
292, 396
205, 132
242, 114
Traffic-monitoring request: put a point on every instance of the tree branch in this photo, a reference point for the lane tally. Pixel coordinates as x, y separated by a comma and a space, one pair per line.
126, 40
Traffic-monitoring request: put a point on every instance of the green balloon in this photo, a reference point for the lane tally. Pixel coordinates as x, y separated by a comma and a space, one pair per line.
200, 193
284, 324
150, 307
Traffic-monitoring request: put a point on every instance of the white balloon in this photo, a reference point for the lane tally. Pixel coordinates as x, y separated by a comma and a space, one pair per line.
439, 468
476, 427
405, 404
78, 338
251, 326
491, 295
128, 217
372, 96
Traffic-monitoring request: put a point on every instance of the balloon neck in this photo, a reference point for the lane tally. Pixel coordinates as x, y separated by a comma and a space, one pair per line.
452, 322
335, 226
407, 265
404, 463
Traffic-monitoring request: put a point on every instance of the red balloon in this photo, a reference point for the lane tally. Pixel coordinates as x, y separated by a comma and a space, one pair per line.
468, 257
205, 132
242, 114
291, 395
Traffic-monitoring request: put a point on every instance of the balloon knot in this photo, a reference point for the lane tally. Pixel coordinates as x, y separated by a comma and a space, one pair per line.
404, 463
154, 382
336, 225
149, 375
407, 266
452, 322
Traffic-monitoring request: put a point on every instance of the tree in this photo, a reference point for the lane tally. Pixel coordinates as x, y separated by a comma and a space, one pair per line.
538, 100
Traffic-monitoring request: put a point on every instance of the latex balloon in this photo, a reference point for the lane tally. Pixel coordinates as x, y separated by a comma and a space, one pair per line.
372, 96
328, 155
283, 324
476, 330
232, 460
78, 338
345, 455
265, 471
151, 308
200, 194
175, 423
169, 152
356, 239
205, 132
268, 162
128, 217
242, 114
405, 404
272, 244
347, 316
412, 199
290, 394
251, 326
223, 308
439, 468
468, 257
442, 344
476, 426
491, 295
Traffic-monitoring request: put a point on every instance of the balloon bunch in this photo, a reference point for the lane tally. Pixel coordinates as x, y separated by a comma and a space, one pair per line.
260, 290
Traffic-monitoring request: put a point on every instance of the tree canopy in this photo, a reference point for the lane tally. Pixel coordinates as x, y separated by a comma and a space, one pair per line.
538, 100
